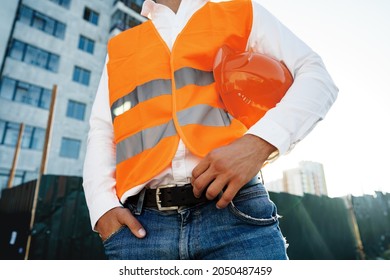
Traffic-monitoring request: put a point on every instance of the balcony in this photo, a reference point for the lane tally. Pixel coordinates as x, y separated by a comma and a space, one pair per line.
122, 21
135, 5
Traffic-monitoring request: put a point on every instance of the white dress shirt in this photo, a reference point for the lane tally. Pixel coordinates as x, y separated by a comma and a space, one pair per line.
306, 102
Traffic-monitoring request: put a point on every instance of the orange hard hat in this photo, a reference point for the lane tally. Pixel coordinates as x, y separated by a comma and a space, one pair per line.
249, 83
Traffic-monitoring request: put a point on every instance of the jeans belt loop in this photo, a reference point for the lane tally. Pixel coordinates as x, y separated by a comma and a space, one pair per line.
140, 202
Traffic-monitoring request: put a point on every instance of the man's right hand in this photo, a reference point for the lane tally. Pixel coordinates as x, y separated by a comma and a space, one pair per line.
114, 219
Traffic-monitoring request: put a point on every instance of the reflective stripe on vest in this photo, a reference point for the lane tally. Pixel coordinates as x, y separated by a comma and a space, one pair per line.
146, 139
159, 96
183, 77
139, 94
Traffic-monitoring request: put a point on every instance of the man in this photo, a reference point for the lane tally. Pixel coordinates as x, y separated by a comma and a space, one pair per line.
157, 121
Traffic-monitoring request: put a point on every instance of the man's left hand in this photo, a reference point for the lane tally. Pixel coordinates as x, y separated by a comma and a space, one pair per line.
230, 166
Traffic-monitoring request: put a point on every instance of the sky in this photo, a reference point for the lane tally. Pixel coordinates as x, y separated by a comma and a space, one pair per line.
352, 142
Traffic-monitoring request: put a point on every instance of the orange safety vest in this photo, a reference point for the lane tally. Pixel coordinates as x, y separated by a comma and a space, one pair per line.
159, 96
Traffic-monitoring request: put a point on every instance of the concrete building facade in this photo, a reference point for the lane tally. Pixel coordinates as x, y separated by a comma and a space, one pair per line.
309, 177
45, 43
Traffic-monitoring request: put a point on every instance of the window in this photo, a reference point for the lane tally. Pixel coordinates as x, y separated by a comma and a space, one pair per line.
2, 130
25, 93
136, 5
39, 21
33, 137
86, 44
123, 21
44, 101
33, 55
53, 63
4, 175
70, 148
60, 31
25, 14
10, 133
63, 3
7, 88
19, 177
81, 75
42, 22
75, 110
17, 50
91, 16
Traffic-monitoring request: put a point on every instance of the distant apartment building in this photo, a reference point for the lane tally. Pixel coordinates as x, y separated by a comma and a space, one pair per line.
309, 177
45, 43
314, 178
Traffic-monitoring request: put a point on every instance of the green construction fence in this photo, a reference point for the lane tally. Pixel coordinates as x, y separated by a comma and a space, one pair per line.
316, 227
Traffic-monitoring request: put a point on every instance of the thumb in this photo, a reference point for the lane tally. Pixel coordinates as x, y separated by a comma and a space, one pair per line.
126, 218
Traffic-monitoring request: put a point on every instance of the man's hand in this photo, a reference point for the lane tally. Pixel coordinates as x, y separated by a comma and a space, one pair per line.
115, 218
230, 166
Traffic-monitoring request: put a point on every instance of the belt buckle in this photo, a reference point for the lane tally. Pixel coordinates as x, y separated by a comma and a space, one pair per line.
158, 200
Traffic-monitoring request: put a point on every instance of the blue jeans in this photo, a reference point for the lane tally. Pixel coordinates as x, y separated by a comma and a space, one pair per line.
247, 229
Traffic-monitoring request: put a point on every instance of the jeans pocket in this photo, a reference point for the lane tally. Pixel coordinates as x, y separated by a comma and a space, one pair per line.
112, 236
253, 206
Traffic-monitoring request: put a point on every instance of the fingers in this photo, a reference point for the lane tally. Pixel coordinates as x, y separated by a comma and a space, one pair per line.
228, 195
216, 187
126, 218
201, 178
213, 174
216, 184
200, 168
113, 219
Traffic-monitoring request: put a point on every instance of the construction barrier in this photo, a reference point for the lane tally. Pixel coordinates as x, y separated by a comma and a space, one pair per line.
316, 227
61, 227
373, 219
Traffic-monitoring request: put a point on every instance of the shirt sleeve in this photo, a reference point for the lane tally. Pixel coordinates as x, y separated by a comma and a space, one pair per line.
312, 93
99, 165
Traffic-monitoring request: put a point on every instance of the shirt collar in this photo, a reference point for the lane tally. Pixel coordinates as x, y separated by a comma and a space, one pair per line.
151, 8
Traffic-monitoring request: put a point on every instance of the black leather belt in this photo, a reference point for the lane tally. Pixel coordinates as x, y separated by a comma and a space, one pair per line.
171, 197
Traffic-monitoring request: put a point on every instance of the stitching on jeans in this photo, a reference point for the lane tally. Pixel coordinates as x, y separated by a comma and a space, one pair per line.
247, 218
113, 234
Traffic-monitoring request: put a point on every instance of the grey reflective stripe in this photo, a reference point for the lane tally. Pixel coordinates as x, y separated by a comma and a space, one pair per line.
204, 115
148, 138
230, 117
143, 140
141, 93
183, 77
190, 76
